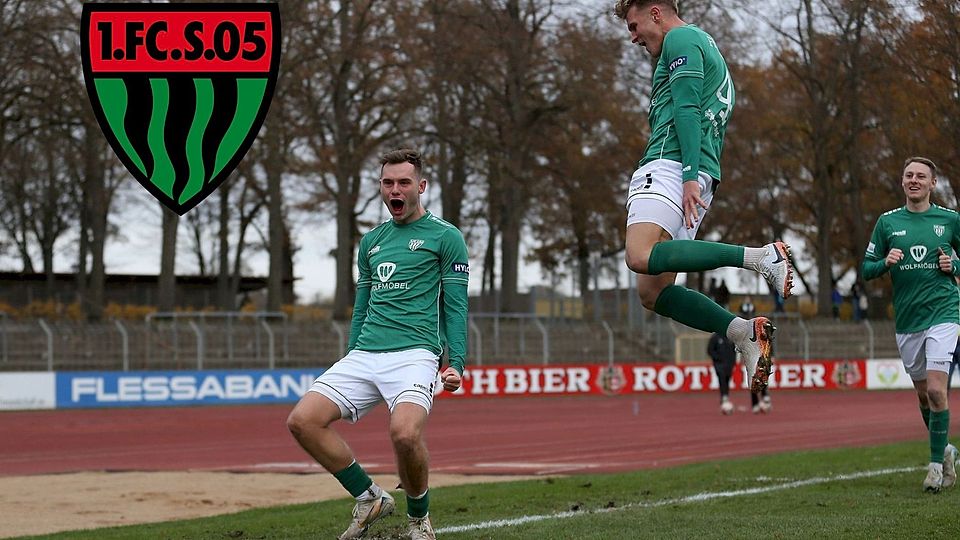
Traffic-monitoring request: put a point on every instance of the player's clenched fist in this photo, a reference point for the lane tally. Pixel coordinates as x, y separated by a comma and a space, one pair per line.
893, 257
451, 379
943, 260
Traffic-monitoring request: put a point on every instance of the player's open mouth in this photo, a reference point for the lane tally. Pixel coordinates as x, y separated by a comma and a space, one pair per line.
396, 205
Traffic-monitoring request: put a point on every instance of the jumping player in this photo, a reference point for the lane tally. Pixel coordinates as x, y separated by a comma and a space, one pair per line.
678, 176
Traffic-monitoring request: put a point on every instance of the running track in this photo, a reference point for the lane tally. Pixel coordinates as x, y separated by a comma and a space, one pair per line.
532, 435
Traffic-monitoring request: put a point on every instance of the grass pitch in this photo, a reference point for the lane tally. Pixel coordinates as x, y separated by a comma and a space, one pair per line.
844, 493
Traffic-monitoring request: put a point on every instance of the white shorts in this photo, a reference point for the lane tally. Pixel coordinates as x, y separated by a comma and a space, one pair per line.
931, 349
656, 196
359, 381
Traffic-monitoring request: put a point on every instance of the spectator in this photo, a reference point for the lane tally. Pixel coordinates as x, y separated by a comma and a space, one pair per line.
855, 294
836, 298
723, 352
747, 309
723, 294
777, 303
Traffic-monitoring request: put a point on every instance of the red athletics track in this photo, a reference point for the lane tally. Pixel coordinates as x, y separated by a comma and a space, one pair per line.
533, 435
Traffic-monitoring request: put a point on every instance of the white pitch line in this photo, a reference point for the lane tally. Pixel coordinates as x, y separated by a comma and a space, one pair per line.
493, 524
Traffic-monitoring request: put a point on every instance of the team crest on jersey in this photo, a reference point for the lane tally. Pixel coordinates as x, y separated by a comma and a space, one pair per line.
415, 244
385, 271
918, 252
939, 229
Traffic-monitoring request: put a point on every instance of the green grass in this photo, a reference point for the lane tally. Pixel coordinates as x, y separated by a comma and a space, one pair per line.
642, 504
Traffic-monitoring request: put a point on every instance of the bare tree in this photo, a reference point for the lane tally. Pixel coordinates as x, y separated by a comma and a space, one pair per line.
354, 101
520, 99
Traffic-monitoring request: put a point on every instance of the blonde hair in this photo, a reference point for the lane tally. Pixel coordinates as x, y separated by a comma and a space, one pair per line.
923, 161
621, 8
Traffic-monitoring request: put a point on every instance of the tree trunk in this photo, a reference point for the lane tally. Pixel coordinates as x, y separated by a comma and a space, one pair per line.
276, 233
510, 259
225, 297
97, 211
346, 288
167, 282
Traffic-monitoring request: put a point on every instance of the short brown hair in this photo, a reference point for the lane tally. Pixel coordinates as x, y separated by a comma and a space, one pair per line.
923, 161
403, 155
621, 8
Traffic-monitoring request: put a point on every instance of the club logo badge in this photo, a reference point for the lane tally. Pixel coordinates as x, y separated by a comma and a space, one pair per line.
918, 252
180, 90
385, 271
611, 380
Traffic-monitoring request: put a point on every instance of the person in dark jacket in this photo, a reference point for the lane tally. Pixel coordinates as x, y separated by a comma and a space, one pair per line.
723, 352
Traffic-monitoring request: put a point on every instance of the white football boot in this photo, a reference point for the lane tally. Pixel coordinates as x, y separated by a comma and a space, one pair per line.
365, 513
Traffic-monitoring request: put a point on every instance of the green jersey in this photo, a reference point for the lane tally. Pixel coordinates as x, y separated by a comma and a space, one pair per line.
923, 295
412, 289
690, 104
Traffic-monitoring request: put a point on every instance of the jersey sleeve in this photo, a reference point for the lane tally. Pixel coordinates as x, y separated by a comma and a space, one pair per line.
873, 260
955, 244
454, 279
684, 60
363, 295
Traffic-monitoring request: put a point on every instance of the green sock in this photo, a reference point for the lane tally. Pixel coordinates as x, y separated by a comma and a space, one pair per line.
925, 413
420, 506
354, 479
693, 256
693, 309
939, 426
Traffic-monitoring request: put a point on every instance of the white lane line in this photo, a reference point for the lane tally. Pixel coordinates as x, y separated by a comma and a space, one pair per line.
493, 524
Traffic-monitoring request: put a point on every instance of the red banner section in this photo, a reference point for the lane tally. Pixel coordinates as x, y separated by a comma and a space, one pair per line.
565, 379
189, 41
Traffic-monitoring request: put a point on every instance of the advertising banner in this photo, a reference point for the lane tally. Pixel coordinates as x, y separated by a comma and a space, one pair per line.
650, 378
162, 388
27, 390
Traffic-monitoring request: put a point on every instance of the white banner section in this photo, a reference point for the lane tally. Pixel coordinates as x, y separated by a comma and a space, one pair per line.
34, 390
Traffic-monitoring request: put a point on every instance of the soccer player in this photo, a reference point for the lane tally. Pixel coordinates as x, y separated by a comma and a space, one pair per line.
678, 176
411, 296
915, 243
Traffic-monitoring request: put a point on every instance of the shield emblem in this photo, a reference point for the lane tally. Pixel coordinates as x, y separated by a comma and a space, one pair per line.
939, 229
180, 90
385, 271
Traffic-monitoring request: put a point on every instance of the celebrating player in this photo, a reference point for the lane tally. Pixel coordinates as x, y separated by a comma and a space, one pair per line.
678, 176
411, 292
915, 243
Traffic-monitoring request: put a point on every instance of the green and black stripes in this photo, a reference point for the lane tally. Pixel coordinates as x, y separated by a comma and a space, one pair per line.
180, 132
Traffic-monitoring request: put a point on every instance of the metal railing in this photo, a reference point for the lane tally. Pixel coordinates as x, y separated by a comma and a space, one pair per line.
271, 340
155, 324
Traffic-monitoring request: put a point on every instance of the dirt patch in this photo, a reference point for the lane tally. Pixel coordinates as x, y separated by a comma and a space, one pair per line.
41, 504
